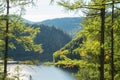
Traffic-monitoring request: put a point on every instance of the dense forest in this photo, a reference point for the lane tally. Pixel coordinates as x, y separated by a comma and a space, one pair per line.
94, 51
68, 51
51, 38
70, 25
98, 51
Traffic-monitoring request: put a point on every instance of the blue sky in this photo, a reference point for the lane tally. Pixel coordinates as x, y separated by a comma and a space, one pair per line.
44, 11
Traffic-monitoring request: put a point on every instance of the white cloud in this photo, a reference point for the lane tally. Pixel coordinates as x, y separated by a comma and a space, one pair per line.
37, 18
45, 11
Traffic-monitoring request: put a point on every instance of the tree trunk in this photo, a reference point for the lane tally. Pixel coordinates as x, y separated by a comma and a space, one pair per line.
112, 43
6, 41
102, 43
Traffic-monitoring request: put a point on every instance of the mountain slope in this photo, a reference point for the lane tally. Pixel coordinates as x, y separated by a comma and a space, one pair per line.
69, 50
69, 25
52, 39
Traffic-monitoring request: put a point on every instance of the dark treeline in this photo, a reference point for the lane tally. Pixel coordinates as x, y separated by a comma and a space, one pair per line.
51, 39
70, 25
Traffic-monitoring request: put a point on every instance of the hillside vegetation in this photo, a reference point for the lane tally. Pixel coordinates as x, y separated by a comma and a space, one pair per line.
51, 39
70, 25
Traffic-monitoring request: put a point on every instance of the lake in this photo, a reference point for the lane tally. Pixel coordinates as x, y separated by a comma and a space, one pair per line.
38, 72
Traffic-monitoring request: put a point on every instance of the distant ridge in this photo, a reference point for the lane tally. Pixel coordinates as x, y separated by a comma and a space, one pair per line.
69, 25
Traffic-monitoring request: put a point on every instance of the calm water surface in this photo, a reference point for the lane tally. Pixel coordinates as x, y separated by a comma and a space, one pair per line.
39, 73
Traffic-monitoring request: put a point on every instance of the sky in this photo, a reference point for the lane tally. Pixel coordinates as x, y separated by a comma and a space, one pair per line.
44, 10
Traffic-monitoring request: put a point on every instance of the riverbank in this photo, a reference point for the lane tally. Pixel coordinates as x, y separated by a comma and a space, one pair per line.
9, 62
27, 62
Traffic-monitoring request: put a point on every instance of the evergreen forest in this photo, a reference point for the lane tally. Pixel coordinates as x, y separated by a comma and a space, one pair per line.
88, 47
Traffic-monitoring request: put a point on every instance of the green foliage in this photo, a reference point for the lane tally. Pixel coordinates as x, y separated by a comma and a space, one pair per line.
21, 34
89, 50
13, 28
68, 50
1, 72
69, 25
48, 63
51, 39
30, 62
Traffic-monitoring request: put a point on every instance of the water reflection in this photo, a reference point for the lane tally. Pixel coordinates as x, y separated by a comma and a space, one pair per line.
40, 73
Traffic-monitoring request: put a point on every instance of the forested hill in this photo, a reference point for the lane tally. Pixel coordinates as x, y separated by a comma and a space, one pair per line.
51, 38
68, 50
69, 24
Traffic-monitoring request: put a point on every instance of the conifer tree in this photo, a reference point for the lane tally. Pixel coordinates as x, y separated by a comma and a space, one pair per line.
13, 29
98, 14
6, 41
112, 43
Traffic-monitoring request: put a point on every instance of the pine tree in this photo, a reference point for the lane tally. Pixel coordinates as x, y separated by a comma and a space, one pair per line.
6, 41
112, 43
96, 38
13, 29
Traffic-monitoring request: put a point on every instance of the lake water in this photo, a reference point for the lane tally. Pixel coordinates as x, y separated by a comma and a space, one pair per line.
39, 72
